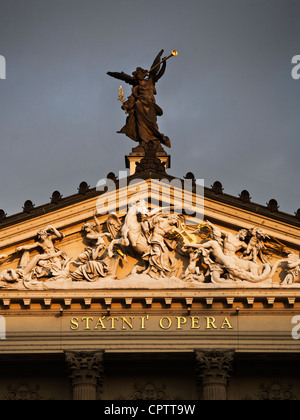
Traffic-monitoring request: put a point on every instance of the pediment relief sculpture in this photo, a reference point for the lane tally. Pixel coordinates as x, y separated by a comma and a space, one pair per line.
166, 251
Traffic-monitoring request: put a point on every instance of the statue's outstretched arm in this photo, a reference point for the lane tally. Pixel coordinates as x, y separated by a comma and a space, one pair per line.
122, 76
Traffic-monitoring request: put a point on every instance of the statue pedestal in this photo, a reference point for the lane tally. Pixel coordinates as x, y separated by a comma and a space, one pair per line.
135, 157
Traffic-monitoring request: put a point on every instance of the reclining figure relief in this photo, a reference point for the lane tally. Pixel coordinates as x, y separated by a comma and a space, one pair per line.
230, 256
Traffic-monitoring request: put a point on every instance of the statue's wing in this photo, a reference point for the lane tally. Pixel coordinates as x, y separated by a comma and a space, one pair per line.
161, 72
155, 65
122, 76
114, 225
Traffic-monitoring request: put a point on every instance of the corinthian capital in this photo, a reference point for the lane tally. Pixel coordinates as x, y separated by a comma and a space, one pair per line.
214, 368
86, 372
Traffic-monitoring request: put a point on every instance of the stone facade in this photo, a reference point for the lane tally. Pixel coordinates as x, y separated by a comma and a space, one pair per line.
139, 304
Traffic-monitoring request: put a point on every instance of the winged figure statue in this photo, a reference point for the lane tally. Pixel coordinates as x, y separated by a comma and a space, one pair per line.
141, 123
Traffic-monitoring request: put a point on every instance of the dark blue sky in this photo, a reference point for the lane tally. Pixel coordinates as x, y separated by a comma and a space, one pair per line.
231, 107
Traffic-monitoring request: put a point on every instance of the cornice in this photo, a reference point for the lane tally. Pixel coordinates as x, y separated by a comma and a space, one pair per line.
119, 300
214, 193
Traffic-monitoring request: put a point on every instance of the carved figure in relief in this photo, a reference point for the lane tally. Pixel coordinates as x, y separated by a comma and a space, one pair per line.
30, 271
132, 228
50, 256
130, 232
93, 268
162, 261
114, 225
10, 276
95, 261
45, 240
232, 243
228, 265
49, 263
144, 232
96, 239
256, 247
135, 230
293, 265
192, 272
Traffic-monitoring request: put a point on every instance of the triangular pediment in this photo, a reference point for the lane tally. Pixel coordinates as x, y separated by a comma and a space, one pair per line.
71, 261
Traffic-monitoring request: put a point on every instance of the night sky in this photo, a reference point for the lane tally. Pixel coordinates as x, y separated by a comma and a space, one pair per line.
231, 106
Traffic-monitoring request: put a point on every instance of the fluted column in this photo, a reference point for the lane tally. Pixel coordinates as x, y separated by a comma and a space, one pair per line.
213, 369
86, 373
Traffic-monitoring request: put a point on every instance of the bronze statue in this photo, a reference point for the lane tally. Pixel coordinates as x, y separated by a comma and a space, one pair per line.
141, 123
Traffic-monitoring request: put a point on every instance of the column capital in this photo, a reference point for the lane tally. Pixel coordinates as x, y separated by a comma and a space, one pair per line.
85, 372
213, 369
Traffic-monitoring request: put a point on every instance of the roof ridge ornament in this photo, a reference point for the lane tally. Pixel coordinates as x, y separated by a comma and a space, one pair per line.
151, 162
